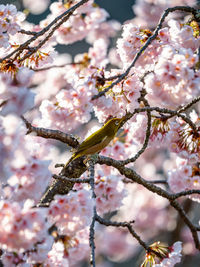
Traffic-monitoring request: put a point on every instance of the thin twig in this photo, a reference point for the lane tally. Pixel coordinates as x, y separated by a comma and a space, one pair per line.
44, 30
158, 182
147, 136
163, 111
56, 66
127, 225
187, 221
190, 104
144, 47
92, 225
122, 224
4, 102
48, 36
127, 181
185, 193
27, 32
131, 174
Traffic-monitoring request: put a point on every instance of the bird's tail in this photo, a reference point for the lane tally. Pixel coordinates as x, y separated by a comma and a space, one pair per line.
69, 161
73, 157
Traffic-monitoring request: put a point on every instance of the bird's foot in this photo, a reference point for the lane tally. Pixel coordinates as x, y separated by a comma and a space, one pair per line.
93, 157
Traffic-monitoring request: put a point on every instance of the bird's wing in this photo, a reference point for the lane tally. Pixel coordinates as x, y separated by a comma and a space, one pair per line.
92, 140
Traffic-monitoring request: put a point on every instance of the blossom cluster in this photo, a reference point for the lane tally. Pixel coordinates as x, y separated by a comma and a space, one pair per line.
14, 94
169, 256
21, 228
71, 213
185, 176
148, 12
56, 91
85, 19
10, 20
110, 192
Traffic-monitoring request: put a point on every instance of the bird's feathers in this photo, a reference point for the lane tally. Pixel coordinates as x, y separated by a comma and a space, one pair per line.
98, 140
91, 140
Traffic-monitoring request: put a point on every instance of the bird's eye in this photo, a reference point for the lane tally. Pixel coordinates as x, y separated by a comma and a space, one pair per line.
117, 122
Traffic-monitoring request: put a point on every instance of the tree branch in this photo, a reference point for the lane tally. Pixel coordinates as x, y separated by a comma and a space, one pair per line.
53, 134
127, 225
131, 174
147, 43
91, 163
147, 135
73, 180
63, 17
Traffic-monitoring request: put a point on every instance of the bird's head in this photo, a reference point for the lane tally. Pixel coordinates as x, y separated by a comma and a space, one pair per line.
113, 124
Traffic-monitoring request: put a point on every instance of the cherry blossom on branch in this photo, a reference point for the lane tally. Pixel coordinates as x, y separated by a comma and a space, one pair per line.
134, 194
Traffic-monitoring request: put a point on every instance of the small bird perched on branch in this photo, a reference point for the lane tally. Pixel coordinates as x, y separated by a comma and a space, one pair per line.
98, 140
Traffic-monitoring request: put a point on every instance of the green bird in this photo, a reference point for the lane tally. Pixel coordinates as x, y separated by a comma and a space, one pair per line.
98, 140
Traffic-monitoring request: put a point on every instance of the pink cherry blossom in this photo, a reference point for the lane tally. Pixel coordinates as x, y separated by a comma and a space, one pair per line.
10, 22
71, 213
186, 147
185, 177
61, 114
133, 37
105, 30
110, 192
24, 183
12, 259
41, 251
173, 257
15, 92
36, 7
56, 91
115, 243
21, 227
67, 34
182, 36
174, 79
78, 247
57, 257
148, 12
124, 98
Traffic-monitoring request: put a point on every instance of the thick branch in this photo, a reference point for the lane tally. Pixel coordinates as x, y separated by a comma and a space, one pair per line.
53, 134
63, 186
73, 180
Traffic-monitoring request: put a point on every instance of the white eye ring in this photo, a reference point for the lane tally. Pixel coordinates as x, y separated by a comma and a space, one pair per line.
117, 122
